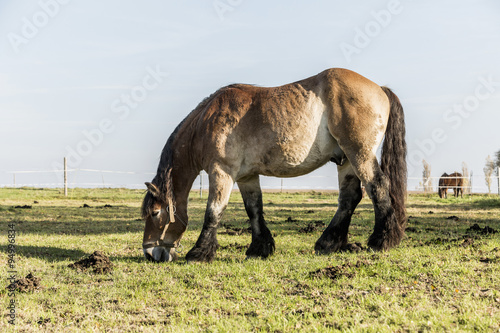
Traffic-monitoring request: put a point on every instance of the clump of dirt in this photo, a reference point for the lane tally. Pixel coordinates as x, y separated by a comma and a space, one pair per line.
97, 261
353, 247
23, 207
336, 272
431, 212
85, 206
296, 288
311, 227
411, 229
331, 272
310, 212
488, 260
30, 283
290, 219
232, 231
235, 246
105, 206
483, 231
438, 241
467, 242
453, 217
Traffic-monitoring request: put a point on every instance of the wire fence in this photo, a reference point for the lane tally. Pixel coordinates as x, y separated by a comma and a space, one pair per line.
95, 178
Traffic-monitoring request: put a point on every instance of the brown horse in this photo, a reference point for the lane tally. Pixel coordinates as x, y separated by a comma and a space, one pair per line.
243, 131
454, 181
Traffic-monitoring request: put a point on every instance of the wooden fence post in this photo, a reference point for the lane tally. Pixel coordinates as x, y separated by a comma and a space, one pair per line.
498, 179
201, 184
471, 181
65, 178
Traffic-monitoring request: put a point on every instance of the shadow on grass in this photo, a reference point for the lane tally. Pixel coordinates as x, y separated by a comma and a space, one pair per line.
77, 228
55, 254
46, 252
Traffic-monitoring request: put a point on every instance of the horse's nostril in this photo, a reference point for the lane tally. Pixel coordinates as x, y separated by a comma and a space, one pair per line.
163, 255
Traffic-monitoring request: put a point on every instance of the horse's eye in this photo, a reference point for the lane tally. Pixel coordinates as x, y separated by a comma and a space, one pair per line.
156, 213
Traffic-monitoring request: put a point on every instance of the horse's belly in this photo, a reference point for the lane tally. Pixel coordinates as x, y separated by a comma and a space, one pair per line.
299, 155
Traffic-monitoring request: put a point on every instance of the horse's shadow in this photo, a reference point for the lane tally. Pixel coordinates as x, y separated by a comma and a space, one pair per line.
48, 253
56, 254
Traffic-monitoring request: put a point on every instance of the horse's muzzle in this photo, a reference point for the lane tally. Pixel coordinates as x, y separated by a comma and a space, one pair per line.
160, 254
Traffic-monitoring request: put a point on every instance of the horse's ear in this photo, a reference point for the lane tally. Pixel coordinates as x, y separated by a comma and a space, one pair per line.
153, 189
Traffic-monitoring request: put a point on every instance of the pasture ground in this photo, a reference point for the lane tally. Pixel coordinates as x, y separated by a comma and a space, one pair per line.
445, 276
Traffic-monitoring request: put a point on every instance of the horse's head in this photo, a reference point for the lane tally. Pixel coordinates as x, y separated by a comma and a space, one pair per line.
442, 186
163, 230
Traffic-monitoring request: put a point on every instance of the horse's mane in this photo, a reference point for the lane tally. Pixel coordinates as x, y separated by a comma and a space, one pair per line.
163, 178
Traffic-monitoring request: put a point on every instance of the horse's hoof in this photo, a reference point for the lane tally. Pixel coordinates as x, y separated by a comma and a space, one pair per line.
197, 254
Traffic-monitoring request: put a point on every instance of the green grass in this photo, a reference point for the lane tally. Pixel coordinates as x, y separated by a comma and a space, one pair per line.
429, 283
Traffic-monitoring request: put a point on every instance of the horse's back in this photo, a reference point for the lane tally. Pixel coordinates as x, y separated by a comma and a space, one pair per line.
292, 129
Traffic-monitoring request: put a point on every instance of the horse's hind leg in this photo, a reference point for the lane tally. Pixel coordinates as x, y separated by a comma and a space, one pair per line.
388, 232
334, 238
262, 241
220, 188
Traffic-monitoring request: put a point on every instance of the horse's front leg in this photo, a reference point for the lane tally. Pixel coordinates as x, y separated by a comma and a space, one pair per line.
262, 241
220, 188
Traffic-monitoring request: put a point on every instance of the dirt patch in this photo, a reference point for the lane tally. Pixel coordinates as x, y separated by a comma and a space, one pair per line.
483, 231
453, 217
411, 229
310, 212
431, 212
438, 241
85, 206
290, 219
336, 272
98, 262
487, 260
23, 207
296, 288
311, 227
28, 284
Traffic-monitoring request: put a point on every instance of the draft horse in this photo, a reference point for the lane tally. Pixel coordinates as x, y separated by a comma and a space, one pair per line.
243, 131
454, 181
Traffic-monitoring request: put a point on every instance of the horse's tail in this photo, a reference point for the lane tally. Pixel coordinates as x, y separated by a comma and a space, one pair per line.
393, 161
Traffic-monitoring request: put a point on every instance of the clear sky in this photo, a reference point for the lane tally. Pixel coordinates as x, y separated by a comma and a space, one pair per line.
109, 80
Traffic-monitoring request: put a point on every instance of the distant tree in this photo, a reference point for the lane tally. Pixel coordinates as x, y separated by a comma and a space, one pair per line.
497, 161
466, 175
426, 177
489, 169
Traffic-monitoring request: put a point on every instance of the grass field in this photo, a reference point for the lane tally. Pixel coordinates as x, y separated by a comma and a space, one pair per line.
443, 277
